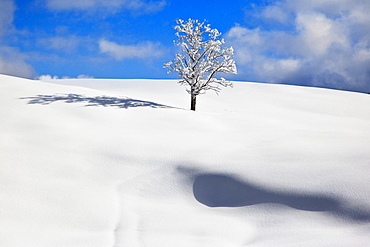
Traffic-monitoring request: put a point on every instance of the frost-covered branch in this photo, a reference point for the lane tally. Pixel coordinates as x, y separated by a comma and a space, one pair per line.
201, 58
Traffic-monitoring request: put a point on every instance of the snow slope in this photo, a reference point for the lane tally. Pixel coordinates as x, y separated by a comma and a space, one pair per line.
104, 163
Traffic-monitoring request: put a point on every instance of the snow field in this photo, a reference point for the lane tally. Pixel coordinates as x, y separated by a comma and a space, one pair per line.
75, 175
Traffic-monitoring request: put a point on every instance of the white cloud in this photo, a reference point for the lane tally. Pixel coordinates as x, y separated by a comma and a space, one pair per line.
275, 13
47, 77
110, 5
326, 43
119, 52
7, 9
332, 8
84, 77
66, 44
55, 77
12, 61
318, 32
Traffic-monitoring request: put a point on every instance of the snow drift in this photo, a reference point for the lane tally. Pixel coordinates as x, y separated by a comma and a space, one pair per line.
104, 163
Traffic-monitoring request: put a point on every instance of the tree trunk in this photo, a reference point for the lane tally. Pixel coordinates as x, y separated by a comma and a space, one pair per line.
193, 102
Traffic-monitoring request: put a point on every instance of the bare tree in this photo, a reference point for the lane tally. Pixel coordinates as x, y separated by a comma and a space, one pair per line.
201, 57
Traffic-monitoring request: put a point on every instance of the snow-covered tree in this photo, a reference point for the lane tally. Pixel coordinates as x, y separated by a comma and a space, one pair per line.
202, 56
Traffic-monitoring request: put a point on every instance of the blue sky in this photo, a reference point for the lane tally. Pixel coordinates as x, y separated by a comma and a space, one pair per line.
323, 43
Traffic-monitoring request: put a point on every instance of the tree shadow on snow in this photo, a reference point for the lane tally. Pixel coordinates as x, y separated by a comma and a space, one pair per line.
218, 190
94, 101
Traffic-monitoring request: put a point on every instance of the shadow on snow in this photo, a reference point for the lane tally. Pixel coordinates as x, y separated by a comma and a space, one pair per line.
219, 190
93, 101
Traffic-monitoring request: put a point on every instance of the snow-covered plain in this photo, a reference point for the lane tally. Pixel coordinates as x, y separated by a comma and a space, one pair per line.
115, 163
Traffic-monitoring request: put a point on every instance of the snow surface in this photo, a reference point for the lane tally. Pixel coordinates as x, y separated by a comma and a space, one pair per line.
104, 163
